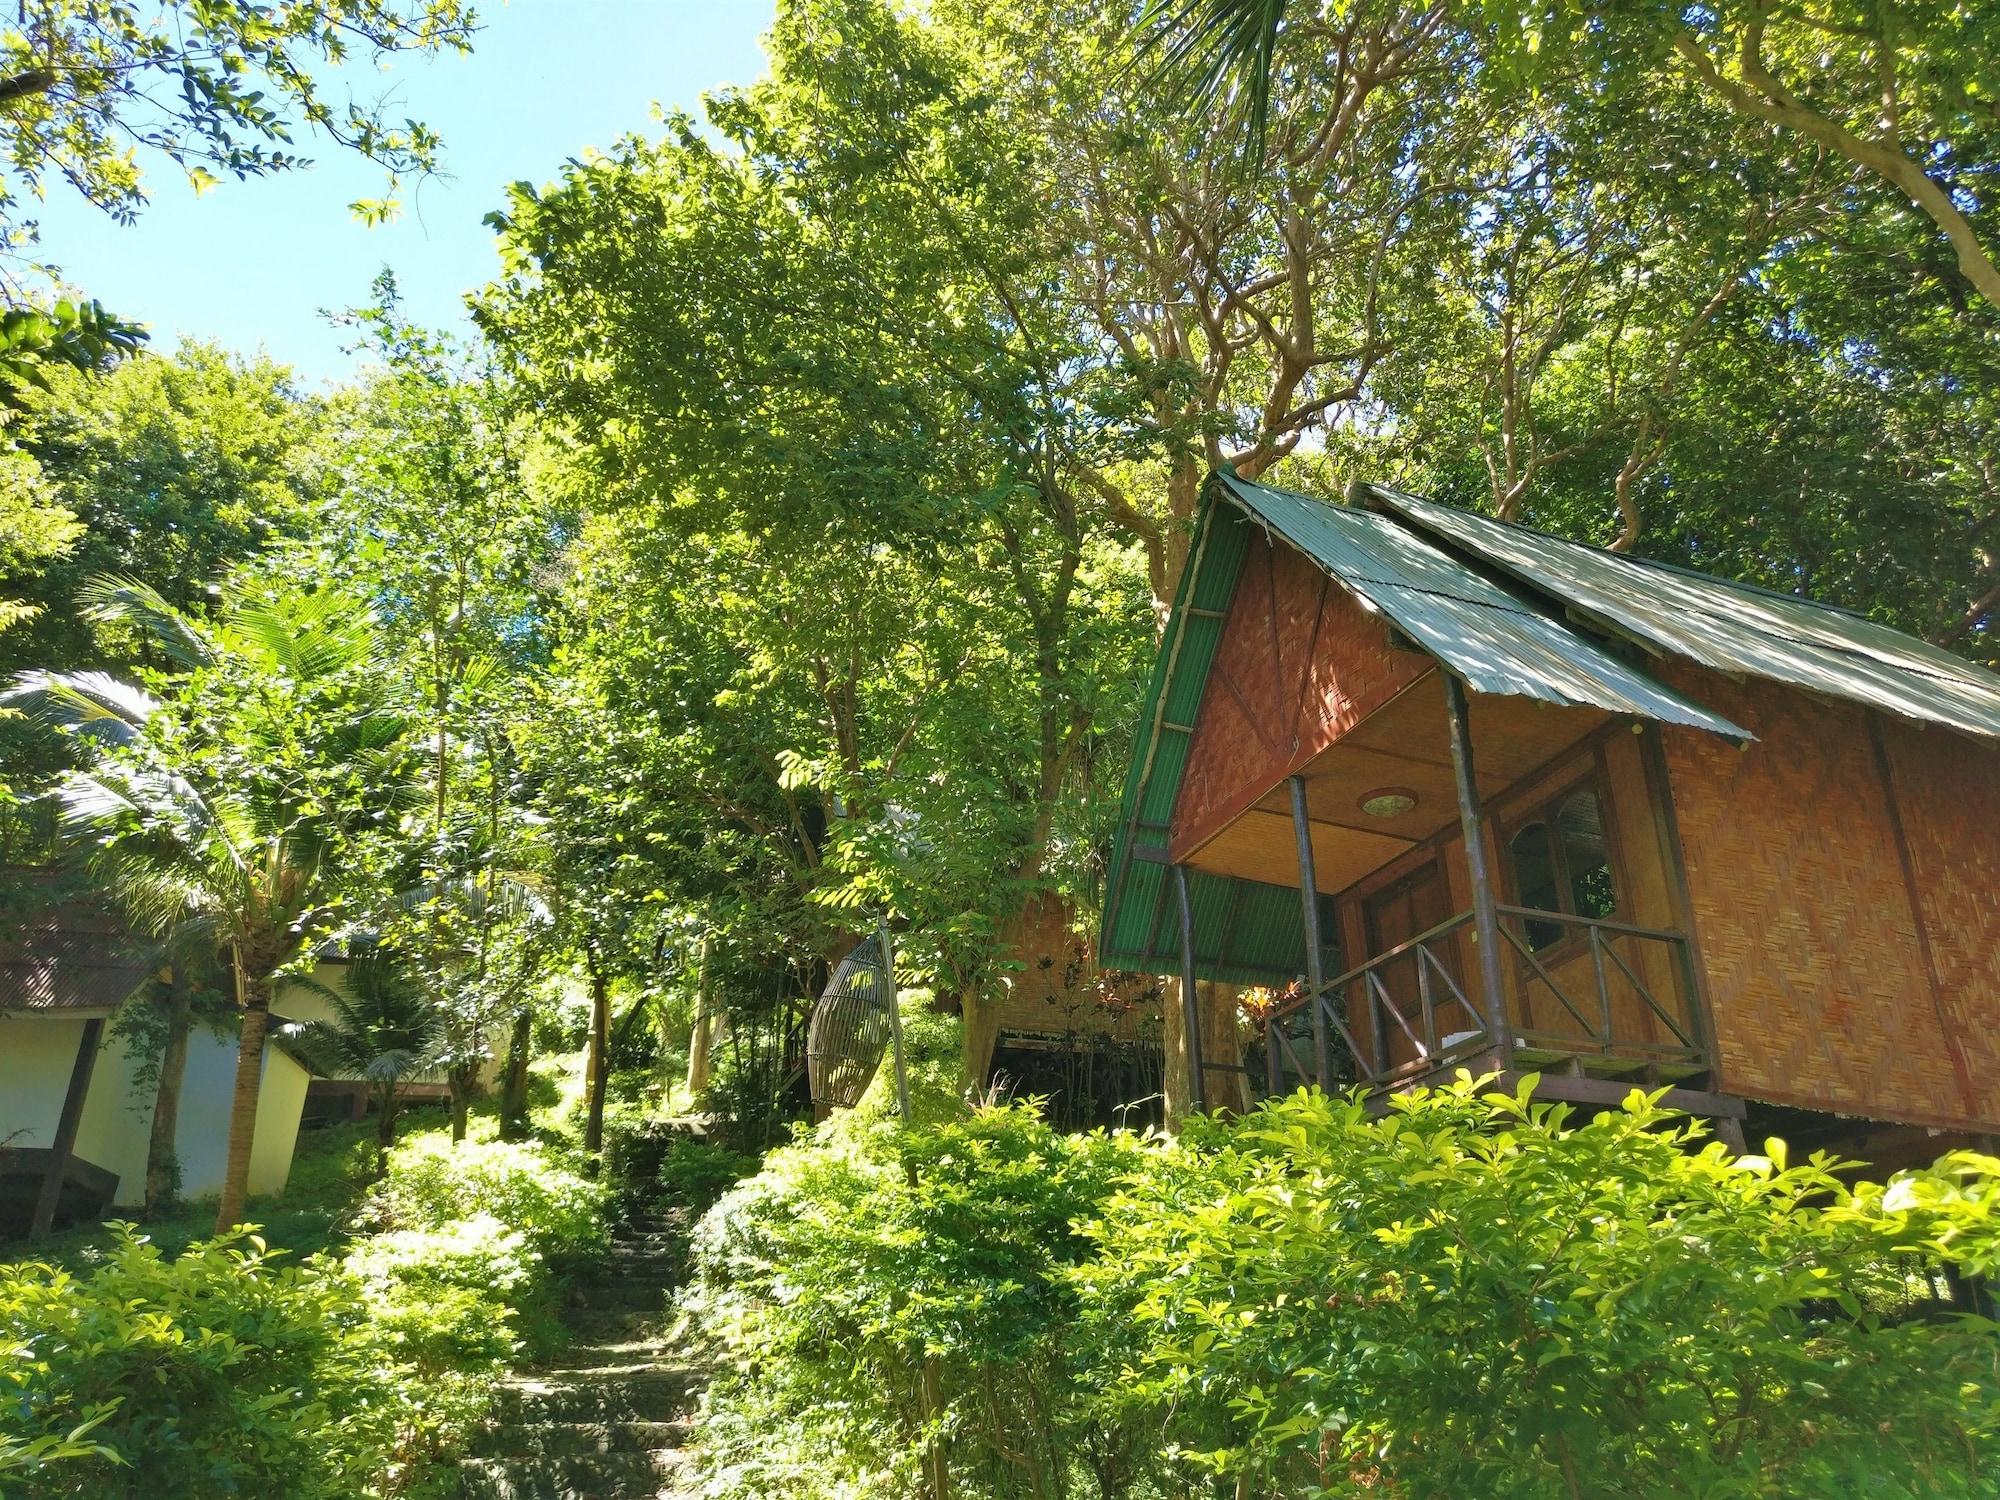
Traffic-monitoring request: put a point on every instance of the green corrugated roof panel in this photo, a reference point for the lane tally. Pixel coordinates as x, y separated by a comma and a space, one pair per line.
1499, 641
1496, 640
1262, 924
1732, 627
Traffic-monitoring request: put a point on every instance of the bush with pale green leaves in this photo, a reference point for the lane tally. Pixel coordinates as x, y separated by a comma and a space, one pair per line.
432, 1184
222, 1370
228, 1369
1471, 1295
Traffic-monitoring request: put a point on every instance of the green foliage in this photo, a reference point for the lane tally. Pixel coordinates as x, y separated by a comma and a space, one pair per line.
221, 1368
674, 1169
216, 1370
1471, 1296
432, 1186
878, 1290
212, 87
174, 468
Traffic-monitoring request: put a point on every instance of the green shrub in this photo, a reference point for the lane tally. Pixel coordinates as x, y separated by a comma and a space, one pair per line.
694, 1174
882, 1290
452, 1305
215, 1372
433, 1185
1469, 1297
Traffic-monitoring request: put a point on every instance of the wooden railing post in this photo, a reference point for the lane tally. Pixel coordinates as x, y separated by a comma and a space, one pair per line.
1190, 1000
1309, 911
1485, 921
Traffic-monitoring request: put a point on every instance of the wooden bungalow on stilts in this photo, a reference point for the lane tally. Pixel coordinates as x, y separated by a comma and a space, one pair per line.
1483, 798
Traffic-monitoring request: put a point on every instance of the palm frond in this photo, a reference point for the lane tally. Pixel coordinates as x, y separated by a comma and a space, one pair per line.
1217, 55
308, 637
382, 1028
127, 601
94, 702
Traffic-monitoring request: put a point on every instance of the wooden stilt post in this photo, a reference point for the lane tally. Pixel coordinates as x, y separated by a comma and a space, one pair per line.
1190, 999
1485, 920
1309, 911
895, 1018
64, 1146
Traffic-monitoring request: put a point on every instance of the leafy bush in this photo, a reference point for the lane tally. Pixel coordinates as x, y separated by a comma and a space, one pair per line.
882, 1291
222, 1371
213, 1372
433, 1185
1471, 1298
452, 1305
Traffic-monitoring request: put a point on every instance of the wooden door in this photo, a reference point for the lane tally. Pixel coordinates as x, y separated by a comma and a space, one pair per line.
1395, 914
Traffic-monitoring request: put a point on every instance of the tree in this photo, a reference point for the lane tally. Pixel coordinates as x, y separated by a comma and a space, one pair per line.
170, 469
214, 87
1904, 92
383, 1029
426, 510
219, 808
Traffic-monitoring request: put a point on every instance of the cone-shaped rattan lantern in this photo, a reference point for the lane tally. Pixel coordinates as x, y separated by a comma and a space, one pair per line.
855, 1020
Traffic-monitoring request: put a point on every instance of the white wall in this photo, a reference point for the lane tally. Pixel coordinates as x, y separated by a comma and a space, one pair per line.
36, 1055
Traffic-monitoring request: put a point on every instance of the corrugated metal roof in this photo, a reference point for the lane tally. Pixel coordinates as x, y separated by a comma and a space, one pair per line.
1498, 641
1732, 627
71, 956
1246, 932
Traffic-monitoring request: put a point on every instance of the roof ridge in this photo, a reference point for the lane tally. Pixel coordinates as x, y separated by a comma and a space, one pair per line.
1661, 564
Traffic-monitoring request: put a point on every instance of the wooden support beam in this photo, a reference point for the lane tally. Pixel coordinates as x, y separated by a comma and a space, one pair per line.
1472, 825
66, 1127
1190, 997
1309, 912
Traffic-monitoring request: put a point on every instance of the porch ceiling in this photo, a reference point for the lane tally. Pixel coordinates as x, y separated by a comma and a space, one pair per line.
1403, 744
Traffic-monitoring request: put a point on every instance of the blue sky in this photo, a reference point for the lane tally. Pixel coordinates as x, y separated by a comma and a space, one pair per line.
250, 264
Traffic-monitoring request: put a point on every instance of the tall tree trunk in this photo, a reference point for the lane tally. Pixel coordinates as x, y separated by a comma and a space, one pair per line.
462, 1081
514, 1086
600, 1049
699, 1066
254, 993
162, 1163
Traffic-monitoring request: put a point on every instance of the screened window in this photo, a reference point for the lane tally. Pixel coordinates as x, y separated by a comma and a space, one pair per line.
1562, 863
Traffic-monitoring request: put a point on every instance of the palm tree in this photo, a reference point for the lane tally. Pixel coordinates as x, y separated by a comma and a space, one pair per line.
1220, 52
219, 829
383, 1030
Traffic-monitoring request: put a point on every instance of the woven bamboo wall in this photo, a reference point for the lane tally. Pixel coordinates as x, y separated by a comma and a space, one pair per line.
1816, 971
1947, 791
1300, 663
1055, 988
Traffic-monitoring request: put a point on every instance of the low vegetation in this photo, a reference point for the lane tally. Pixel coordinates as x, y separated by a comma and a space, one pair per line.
1471, 1296
235, 1365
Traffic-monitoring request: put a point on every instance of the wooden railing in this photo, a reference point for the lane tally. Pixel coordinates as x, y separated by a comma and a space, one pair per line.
1422, 1017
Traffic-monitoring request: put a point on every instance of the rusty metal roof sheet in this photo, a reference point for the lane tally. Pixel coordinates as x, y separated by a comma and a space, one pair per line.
70, 955
1728, 626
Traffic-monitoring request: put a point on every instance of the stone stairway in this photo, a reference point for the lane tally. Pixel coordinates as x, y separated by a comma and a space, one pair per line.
606, 1419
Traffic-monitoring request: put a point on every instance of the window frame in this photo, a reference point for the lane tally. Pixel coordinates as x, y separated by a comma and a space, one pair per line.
1542, 809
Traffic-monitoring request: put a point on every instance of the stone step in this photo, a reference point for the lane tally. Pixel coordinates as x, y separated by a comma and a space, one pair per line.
606, 1394
611, 1325
572, 1439
630, 1297
640, 1352
601, 1476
